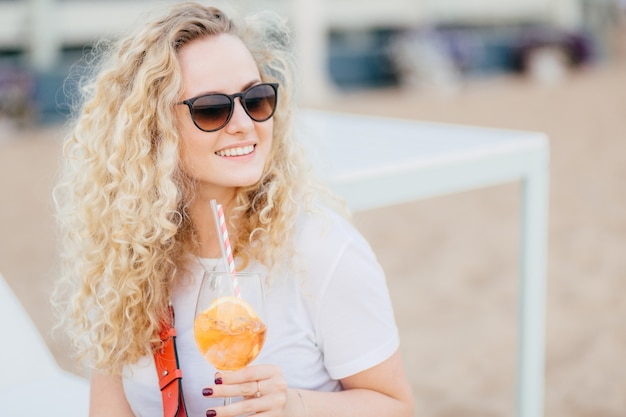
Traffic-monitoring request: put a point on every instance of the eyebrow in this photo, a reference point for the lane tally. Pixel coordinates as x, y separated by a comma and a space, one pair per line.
245, 87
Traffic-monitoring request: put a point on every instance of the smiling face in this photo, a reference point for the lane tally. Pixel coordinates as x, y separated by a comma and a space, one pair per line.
235, 155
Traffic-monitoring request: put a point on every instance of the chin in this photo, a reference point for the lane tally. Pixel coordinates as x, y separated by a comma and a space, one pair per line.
248, 181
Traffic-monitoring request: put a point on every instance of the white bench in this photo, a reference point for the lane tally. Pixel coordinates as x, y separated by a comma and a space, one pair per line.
31, 381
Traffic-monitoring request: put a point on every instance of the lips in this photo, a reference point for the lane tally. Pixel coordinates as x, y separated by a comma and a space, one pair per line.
238, 151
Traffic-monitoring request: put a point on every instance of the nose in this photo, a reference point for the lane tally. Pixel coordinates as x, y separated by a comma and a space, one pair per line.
239, 121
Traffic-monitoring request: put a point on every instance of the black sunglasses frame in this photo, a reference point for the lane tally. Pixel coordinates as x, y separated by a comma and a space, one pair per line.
231, 98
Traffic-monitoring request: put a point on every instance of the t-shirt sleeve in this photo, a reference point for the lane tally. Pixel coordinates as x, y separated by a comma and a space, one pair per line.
355, 324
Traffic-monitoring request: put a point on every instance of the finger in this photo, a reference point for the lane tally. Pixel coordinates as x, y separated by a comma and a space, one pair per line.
251, 389
242, 383
247, 389
249, 373
256, 405
243, 407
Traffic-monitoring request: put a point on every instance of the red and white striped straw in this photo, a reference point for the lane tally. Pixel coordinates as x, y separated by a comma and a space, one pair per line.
222, 232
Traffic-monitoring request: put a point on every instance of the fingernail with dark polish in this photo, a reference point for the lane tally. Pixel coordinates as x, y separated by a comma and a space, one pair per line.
207, 392
218, 378
210, 413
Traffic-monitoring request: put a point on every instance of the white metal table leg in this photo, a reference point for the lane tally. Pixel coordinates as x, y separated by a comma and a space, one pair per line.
530, 387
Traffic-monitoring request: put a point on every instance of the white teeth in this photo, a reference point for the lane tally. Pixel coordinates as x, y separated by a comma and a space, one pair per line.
236, 151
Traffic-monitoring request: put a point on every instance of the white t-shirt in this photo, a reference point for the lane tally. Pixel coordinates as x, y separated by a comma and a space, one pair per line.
330, 317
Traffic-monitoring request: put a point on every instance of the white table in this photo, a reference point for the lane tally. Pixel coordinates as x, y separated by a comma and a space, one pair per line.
377, 162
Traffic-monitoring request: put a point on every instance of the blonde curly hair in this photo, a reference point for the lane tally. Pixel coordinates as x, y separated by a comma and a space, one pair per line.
123, 197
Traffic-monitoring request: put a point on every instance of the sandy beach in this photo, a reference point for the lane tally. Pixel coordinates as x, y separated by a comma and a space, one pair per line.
452, 261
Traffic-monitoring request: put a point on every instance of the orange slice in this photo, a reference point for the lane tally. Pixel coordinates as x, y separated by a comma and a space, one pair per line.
229, 308
229, 333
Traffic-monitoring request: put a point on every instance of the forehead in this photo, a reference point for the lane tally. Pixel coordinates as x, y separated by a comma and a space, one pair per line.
218, 63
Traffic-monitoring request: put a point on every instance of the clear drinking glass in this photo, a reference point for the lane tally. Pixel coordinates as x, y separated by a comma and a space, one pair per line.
229, 323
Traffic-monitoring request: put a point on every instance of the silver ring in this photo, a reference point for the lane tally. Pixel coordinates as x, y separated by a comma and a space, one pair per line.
257, 394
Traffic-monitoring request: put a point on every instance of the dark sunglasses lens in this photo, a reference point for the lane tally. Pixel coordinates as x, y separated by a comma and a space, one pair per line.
260, 102
211, 112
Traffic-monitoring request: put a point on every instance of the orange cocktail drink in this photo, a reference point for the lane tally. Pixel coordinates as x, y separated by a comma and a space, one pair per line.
229, 333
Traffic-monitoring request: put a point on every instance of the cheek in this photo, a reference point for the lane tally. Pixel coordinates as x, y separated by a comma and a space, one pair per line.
194, 144
183, 142
192, 152
183, 146
185, 163
266, 133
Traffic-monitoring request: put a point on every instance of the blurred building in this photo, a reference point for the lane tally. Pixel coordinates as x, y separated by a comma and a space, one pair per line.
340, 43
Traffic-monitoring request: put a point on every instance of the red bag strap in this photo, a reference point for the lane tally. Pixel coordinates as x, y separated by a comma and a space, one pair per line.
168, 371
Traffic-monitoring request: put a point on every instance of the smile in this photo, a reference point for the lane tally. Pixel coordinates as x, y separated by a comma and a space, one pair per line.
243, 150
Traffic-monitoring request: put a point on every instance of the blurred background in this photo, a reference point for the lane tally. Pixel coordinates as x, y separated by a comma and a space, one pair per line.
555, 66
342, 45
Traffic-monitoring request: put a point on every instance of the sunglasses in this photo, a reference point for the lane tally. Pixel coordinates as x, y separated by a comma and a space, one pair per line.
211, 112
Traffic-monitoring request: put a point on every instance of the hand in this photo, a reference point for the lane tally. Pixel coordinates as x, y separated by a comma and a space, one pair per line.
263, 388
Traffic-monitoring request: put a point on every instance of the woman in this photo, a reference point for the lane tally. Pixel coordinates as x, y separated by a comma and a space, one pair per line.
143, 162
